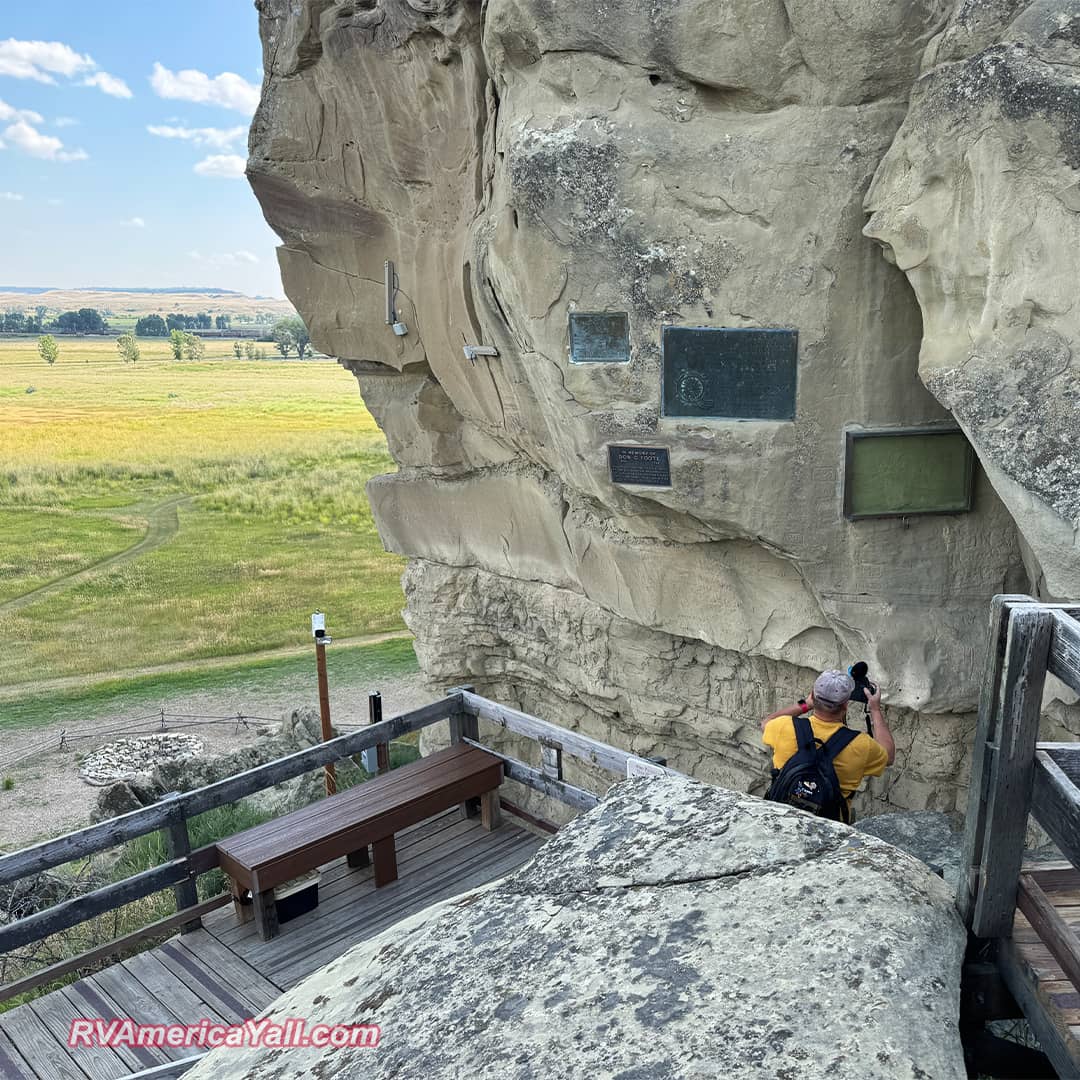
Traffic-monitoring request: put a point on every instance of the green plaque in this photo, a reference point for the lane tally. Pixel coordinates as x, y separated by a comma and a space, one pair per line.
907, 471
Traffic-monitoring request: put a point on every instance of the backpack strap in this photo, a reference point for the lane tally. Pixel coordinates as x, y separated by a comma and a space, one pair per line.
804, 733
839, 741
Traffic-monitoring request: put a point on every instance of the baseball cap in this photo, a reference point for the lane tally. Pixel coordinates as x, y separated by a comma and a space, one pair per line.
833, 689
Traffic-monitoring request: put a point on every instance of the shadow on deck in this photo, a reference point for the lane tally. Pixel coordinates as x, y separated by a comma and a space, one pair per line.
226, 973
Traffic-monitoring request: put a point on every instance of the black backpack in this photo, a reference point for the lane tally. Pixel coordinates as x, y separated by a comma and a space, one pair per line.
808, 778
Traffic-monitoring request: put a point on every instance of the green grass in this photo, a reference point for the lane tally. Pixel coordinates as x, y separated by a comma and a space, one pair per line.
358, 665
273, 458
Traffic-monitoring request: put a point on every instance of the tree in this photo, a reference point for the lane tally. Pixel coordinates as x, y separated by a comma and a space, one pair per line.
151, 326
176, 321
128, 348
194, 347
91, 322
291, 333
176, 343
49, 350
203, 321
238, 349
15, 322
222, 322
68, 322
249, 350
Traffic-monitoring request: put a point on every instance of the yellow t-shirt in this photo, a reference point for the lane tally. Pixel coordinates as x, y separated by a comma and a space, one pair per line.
861, 757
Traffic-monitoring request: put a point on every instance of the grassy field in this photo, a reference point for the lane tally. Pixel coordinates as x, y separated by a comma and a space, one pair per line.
173, 511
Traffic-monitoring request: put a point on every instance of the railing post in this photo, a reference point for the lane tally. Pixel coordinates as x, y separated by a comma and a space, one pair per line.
1003, 763
551, 762
463, 726
178, 845
382, 750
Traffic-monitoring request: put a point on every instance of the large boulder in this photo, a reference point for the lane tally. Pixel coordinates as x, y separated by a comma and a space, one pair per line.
676, 931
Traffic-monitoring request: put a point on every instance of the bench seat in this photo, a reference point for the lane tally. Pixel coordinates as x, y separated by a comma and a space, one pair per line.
346, 824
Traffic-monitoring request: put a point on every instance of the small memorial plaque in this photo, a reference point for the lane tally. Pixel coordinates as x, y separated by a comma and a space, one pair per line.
599, 338
907, 471
648, 465
730, 374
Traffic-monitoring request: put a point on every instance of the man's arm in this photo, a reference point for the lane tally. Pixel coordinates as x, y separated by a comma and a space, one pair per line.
791, 710
882, 735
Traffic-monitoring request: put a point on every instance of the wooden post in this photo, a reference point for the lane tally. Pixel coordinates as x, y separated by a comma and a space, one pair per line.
463, 726
178, 845
324, 712
1005, 753
985, 740
382, 750
551, 762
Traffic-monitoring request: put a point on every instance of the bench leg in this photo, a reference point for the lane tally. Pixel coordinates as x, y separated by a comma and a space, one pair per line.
470, 808
266, 914
385, 862
243, 911
357, 859
490, 815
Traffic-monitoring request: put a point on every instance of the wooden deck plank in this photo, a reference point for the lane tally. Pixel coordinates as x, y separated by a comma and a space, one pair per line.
363, 926
56, 1012
205, 983
49, 1059
166, 987
138, 1003
94, 1002
241, 975
12, 1063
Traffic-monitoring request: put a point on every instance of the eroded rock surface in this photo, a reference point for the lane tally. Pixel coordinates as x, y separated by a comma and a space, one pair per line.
687, 163
978, 201
676, 931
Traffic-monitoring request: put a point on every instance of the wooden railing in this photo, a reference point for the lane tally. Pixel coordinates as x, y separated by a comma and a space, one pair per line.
1013, 776
461, 707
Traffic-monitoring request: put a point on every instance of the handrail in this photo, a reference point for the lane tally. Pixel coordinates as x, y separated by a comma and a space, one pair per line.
108, 834
1064, 660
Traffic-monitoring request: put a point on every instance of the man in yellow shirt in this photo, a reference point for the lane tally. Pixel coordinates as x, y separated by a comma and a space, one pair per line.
863, 756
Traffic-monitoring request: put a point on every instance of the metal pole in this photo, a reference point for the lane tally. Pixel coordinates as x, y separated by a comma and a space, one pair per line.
324, 712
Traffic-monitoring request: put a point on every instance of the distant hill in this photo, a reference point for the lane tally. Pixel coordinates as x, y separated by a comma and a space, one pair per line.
138, 302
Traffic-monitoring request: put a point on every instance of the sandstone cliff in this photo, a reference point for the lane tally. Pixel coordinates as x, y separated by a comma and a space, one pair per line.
690, 163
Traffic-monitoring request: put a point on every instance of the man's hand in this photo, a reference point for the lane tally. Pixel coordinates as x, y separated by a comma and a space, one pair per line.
791, 710
882, 734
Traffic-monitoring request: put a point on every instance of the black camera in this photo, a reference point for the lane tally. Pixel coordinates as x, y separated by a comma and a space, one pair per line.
863, 685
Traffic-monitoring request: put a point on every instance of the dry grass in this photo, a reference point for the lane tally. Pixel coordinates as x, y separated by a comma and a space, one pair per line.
275, 456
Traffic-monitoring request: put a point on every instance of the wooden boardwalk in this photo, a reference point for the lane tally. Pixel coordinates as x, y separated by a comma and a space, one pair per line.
224, 972
1031, 969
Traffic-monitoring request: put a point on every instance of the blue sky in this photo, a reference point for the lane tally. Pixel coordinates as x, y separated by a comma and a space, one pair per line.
89, 195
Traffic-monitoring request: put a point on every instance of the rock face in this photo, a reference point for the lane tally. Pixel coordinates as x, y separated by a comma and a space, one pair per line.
675, 931
685, 163
978, 201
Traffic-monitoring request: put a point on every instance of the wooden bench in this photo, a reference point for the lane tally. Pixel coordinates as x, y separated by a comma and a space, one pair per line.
345, 824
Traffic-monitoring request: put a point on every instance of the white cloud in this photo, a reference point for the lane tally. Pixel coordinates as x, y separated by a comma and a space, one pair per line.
229, 90
226, 258
8, 114
222, 166
109, 84
41, 60
30, 141
217, 138
10, 196
65, 121
134, 223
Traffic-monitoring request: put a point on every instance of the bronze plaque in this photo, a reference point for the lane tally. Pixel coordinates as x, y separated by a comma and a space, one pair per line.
729, 374
648, 465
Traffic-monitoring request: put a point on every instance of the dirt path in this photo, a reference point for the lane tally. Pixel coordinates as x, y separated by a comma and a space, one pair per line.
14, 691
163, 523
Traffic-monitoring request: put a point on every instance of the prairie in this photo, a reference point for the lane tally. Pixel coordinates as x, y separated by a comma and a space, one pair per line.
166, 511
